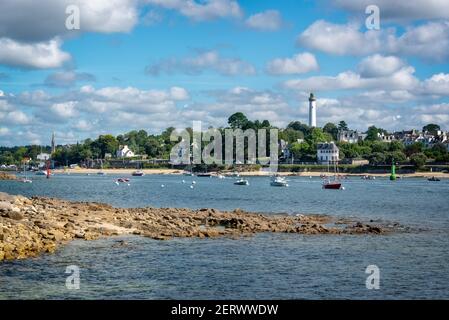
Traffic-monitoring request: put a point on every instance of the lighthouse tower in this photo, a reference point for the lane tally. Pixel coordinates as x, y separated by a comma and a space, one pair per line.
312, 111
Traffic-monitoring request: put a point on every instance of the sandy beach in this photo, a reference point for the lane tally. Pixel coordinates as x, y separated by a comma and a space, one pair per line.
247, 173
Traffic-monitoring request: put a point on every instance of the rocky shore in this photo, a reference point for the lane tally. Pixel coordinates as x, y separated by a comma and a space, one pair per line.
7, 176
31, 226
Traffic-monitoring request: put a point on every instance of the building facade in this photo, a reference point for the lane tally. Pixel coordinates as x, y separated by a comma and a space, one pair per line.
124, 152
327, 153
350, 136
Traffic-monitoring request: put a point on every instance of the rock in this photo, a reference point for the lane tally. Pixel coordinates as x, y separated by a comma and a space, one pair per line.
7, 176
5, 206
14, 215
56, 235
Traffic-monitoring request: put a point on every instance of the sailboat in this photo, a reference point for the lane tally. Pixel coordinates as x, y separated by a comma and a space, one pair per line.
138, 172
25, 179
335, 183
101, 172
278, 181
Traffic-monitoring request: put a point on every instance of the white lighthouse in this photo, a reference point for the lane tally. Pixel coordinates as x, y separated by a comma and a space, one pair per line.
312, 111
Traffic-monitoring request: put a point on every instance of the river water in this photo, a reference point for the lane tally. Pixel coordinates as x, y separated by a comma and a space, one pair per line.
412, 265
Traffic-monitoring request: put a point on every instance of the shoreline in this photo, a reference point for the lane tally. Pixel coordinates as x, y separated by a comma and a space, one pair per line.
36, 225
249, 173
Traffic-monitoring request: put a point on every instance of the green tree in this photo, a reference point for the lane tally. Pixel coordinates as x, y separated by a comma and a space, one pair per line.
418, 160
432, 128
298, 126
342, 125
237, 121
299, 150
416, 147
290, 135
107, 144
331, 129
372, 134
377, 158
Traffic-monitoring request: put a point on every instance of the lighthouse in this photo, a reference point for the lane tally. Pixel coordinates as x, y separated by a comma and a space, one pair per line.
312, 111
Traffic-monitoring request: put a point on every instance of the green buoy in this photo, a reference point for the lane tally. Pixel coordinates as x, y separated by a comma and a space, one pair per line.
393, 171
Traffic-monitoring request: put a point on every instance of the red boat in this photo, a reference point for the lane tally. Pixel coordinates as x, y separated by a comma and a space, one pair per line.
336, 185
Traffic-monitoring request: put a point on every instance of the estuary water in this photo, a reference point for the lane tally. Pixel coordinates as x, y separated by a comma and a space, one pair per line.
413, 265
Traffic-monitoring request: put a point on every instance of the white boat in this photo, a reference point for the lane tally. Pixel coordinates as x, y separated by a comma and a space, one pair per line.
242, 182
138, 173
220, 176
277, 181
41, 173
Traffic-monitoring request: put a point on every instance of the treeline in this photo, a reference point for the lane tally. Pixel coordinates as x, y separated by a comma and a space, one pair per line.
301, 141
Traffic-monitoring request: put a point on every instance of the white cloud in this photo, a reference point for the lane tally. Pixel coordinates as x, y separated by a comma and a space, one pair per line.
270, 20
31, 32
437, 84
43, 20
64, 110
67, 78
4, 132
204, 61
15, 117
429, 41
203, 10
349, 80
299, 63
379, 66
39, 55
400, 10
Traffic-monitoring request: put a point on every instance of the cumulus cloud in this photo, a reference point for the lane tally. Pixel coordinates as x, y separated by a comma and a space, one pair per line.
31, 32
200, 11
299, 63
270, 20
379, 66
44, 20
400, 10
349, 80
39, 55
429, 41
202, 62
67, 78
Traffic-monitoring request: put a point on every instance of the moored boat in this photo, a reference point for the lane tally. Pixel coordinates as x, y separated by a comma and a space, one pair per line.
242, 182
138, 173
277, 181
433, 179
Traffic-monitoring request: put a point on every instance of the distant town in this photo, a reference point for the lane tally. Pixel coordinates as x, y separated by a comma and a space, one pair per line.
299, 144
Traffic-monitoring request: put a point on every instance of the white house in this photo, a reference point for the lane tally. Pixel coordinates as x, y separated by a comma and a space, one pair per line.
124, 152
327, 153
350, 136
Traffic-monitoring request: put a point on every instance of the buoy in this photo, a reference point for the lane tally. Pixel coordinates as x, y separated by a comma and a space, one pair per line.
183, 181
162, 186
191, 187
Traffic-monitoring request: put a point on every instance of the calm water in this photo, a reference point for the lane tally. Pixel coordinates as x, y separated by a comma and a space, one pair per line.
412, 265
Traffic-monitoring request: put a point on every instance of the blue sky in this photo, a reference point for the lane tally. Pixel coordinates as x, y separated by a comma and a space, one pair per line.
152, 64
